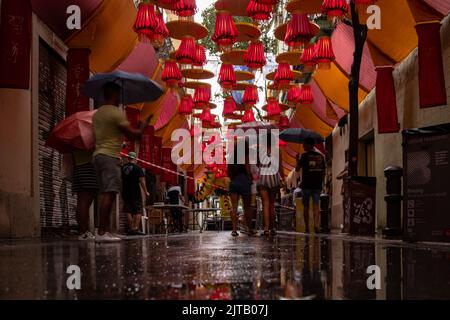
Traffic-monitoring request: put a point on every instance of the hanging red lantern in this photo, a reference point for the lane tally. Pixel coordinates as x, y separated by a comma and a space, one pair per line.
259, 11
202, 96
227, 76
270, 2
284, 75
186, 52
293, 95
200, 56
186, 105
273, 107
299, 30
250, 95
229, 106
335, 8
206, 117
283, 123
149, 24
254, 57
324, 54
308, 58
306, 96
225, 33
171, 74
185, 8
249, 116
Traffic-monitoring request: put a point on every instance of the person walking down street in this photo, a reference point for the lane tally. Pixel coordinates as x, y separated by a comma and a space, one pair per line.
85, 185
110, 124
175, 197
133, 184
312, 166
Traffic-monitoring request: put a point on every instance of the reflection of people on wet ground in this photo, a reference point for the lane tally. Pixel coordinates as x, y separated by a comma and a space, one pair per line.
175, 197
241, 178
133, 184
312, 165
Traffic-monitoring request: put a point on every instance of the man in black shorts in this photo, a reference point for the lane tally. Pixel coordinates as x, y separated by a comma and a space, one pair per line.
133, 179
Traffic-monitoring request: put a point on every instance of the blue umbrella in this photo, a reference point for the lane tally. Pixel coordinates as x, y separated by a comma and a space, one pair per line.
298, 135
136, 88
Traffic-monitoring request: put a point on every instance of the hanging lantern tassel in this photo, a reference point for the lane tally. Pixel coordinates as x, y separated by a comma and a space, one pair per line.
227, 76
225, 32
306, 96
171, 74
250, 95
299, 30
283, 75
254, 57
259, 11
293, 96
324, 54
202, 96
149, 25
273, 108
186, 105
308, 58
335, 9
187, 50
229, 106
185, 8
249, 116
200, 56
206, 117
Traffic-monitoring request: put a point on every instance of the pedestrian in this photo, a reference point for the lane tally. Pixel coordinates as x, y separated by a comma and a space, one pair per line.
85, 185
269, 183
133, 185
110, 124
240, 175
312, 166
175, 197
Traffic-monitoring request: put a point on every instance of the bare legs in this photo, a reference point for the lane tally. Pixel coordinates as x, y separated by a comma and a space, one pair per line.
134, 221
247, 199
268, 203
234, 204
316, 214
105, 205
84, 202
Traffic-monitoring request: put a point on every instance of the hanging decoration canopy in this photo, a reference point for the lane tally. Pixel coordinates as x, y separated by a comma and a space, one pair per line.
225, 32
283, 75
227, 76
324, 54
254, 57
250, 95
202, 96
186, 105
229, 106
259, 11
149, 25
171, 74
306, 95
200, 56
185, 8
249, 116
335, 8
299, 30
187, 51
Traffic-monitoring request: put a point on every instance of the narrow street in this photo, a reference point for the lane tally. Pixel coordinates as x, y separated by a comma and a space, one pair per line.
214, 265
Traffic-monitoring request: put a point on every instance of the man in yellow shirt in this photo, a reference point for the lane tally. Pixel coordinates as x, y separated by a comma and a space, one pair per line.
110, 124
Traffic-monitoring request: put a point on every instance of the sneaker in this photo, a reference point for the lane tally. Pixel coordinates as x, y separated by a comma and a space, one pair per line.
107, 237
87, 236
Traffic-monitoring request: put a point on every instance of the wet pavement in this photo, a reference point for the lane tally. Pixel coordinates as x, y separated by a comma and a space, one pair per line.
214, 265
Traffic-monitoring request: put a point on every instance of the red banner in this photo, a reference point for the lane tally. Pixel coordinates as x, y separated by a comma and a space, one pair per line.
133, 116
190, 183
157, 146
431, 68
168, 164
146, 147
15, 44
77, 75
386, 101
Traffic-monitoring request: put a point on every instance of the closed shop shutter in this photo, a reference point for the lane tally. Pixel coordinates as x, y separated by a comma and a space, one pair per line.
57, 202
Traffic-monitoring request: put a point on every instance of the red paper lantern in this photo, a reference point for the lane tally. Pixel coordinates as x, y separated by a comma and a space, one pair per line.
299, 30
283, 123
149, 25
284, 74
308, 58
335, 8
271, 2
248, 116
227, 76
171, 74
202, 96
251, 95
200, 56
273, 107
293, 94
229, 106
206, 116
185, 8
254, 57
306, 96
225, 33
186, 105
186, 52
324, 54
259, 11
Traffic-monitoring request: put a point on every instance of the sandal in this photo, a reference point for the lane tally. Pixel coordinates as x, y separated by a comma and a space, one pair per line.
234, 234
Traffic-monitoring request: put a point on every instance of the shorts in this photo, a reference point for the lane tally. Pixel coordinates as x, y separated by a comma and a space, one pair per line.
84, 178
308, 193
241, 184
108, 173
132, 206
